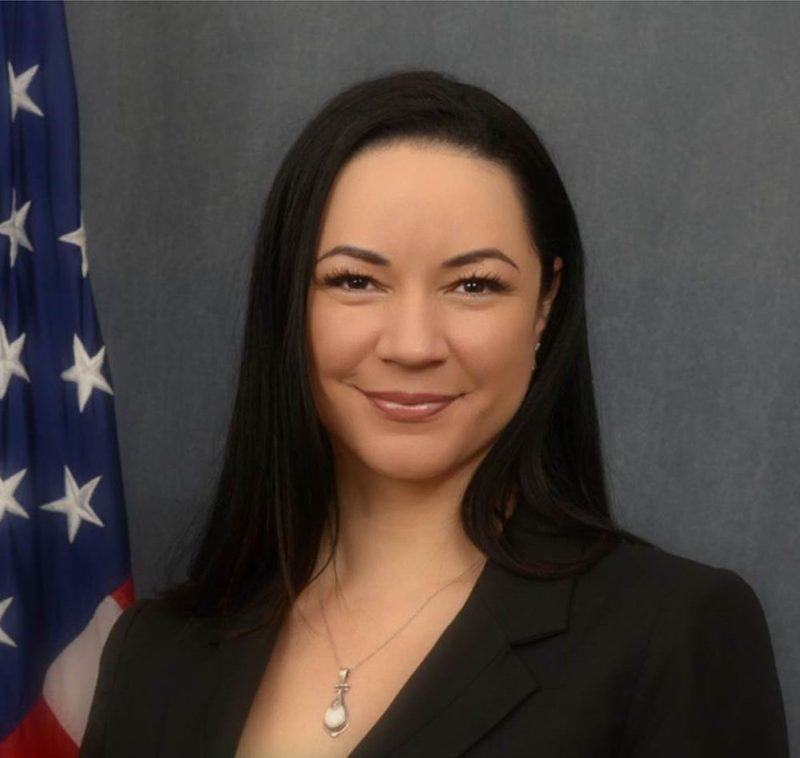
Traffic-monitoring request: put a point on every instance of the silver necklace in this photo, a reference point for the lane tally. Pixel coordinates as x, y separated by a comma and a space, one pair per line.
337, 717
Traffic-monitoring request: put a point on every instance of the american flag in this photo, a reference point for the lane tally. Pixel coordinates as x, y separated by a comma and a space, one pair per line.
64, 552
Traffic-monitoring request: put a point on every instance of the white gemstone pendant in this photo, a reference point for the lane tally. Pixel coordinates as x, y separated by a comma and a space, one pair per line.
336, 717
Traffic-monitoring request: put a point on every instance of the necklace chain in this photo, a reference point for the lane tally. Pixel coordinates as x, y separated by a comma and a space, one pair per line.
333, 644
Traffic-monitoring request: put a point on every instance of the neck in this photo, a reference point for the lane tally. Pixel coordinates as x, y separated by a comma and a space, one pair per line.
395, 552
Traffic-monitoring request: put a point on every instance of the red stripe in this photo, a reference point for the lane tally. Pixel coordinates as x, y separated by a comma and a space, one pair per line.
39, 733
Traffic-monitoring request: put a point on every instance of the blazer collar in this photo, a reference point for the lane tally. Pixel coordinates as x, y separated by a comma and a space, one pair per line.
468, 681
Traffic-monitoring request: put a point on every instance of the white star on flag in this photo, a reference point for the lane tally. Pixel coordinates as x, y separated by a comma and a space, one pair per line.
8, 503
78, 237
9, 360
4, 638
18, 85
14, 227
85, 372
75, 503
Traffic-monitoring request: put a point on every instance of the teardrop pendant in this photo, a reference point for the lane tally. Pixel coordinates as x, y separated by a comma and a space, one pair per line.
336, 718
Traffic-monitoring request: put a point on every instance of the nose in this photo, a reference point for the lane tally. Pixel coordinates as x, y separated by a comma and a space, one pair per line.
413, 331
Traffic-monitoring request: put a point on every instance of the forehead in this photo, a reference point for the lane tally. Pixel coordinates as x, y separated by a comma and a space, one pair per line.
429, 200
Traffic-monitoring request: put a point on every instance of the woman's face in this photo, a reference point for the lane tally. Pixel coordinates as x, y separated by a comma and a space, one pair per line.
401, 321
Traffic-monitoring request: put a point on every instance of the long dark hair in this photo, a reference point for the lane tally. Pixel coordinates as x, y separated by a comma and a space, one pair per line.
275, 491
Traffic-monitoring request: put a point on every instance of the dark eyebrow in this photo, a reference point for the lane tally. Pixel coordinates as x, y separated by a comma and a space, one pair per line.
463, 259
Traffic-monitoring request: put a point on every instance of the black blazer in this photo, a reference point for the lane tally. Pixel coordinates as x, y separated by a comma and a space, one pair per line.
647, 655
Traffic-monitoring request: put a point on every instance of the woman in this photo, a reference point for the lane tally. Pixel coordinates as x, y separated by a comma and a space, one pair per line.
411, 550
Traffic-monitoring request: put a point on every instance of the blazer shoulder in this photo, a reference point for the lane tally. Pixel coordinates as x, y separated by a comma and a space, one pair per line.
703, 648
145, 641
652, 575
93, 740
645, 591
686, 598
160, 631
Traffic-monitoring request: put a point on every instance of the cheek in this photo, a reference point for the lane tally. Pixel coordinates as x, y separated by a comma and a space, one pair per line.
339, 359
498, 351
336, 343
499, 359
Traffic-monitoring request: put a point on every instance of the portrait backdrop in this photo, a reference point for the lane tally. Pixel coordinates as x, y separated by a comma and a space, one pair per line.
676, 129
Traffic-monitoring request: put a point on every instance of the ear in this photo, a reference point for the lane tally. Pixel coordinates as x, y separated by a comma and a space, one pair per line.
558, 264
549, 299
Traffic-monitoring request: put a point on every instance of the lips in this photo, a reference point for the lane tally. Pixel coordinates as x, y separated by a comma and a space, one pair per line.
409, 406
410, 398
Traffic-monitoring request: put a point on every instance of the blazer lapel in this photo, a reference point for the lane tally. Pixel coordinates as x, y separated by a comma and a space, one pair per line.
472, 677
469, 680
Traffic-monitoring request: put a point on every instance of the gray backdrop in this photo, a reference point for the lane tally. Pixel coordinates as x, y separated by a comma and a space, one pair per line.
676, 128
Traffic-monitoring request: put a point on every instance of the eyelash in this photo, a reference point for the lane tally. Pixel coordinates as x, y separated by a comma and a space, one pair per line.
494, 281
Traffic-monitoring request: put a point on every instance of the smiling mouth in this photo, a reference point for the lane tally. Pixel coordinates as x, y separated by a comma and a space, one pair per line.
410, 398
409, 411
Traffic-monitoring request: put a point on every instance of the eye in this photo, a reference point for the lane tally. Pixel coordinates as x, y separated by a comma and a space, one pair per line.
338, 277
494, 282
